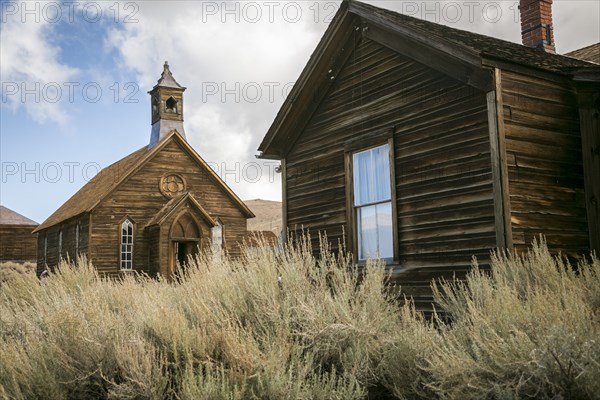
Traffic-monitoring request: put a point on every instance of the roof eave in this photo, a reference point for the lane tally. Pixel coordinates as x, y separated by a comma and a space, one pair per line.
281, 134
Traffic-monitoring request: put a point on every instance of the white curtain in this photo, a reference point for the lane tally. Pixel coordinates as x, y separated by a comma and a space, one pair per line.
372, 176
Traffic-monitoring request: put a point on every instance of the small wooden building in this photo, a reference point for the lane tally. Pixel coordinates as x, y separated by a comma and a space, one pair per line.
151, 210
425, 145
17, 242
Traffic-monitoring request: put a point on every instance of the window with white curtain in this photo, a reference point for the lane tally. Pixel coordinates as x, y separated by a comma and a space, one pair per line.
127, 245
373, 203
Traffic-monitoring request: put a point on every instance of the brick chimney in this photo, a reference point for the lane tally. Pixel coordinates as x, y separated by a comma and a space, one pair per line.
536, 24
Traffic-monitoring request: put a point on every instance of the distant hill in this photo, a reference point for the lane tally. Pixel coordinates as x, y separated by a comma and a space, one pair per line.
268, 215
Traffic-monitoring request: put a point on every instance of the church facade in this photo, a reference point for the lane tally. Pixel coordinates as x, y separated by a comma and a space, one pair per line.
151, 210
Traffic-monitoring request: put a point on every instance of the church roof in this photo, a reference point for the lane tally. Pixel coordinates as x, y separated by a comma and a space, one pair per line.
167, 80
10, 217
107, 180
589, 53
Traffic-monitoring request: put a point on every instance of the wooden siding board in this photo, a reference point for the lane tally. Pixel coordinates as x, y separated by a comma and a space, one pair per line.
18, 243
589, 114
545, 171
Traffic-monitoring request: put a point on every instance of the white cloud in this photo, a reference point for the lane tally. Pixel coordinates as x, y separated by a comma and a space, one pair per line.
32, 76
237, 73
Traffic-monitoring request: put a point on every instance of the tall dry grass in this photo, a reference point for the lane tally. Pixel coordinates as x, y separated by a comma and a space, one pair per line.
292, 326
9, 270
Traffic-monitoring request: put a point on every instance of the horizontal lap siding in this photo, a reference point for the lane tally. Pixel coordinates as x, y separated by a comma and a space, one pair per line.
70, 249
17, 243
442, 160
544, 159
140, 199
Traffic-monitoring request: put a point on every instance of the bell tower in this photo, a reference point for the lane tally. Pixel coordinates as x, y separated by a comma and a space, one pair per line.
167, 107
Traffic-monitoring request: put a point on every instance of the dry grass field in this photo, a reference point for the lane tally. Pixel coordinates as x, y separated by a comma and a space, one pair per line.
9, 270
289, 326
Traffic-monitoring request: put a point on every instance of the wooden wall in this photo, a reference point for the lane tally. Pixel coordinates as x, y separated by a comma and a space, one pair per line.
442, 163
70, 249
139, 198
17, 243
544, 159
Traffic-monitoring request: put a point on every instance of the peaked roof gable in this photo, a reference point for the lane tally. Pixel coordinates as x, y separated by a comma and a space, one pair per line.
111, 177
10, 217
460, 54
175, 204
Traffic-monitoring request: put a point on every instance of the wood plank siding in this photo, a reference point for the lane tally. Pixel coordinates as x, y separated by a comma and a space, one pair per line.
48, 253
17, 243
544, 162
442, 162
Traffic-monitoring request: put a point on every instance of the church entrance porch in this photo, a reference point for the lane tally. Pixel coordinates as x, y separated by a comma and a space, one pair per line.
185, 242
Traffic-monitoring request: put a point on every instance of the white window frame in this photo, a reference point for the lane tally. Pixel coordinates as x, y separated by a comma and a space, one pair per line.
126, 245
217, 241
352, 148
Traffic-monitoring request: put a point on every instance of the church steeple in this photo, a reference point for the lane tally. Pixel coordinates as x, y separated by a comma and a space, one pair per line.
167, 107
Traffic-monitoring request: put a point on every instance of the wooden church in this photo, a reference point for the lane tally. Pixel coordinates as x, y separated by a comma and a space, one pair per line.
151, 210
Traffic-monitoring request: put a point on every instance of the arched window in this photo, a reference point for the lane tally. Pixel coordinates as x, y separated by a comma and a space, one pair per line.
217, 240
127, 245
171, 105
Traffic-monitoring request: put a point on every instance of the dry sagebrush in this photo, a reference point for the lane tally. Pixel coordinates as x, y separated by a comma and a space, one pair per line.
528, 329
290, 326
268, 326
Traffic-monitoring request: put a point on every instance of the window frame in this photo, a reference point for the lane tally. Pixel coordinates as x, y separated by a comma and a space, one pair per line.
45, 248
218, 252
357, 146
60, 244
77, 233
121, 236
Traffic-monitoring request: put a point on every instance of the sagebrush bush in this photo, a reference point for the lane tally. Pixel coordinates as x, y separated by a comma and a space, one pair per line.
528, 328
277, 326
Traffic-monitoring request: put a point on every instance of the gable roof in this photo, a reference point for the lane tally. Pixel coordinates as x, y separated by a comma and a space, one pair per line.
174, 204
10, 217
589, 53
110, 178
463, 55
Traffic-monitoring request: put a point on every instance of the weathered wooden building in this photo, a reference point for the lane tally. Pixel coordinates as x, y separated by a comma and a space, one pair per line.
17, 242
151, 209
425, 145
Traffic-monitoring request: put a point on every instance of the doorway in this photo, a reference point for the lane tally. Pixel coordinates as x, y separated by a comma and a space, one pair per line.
183, 251
185, 242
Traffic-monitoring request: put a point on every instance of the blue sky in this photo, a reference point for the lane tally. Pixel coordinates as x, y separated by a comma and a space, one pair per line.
75, 77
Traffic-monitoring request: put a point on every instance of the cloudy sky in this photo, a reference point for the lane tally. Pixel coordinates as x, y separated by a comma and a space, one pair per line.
75, 77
